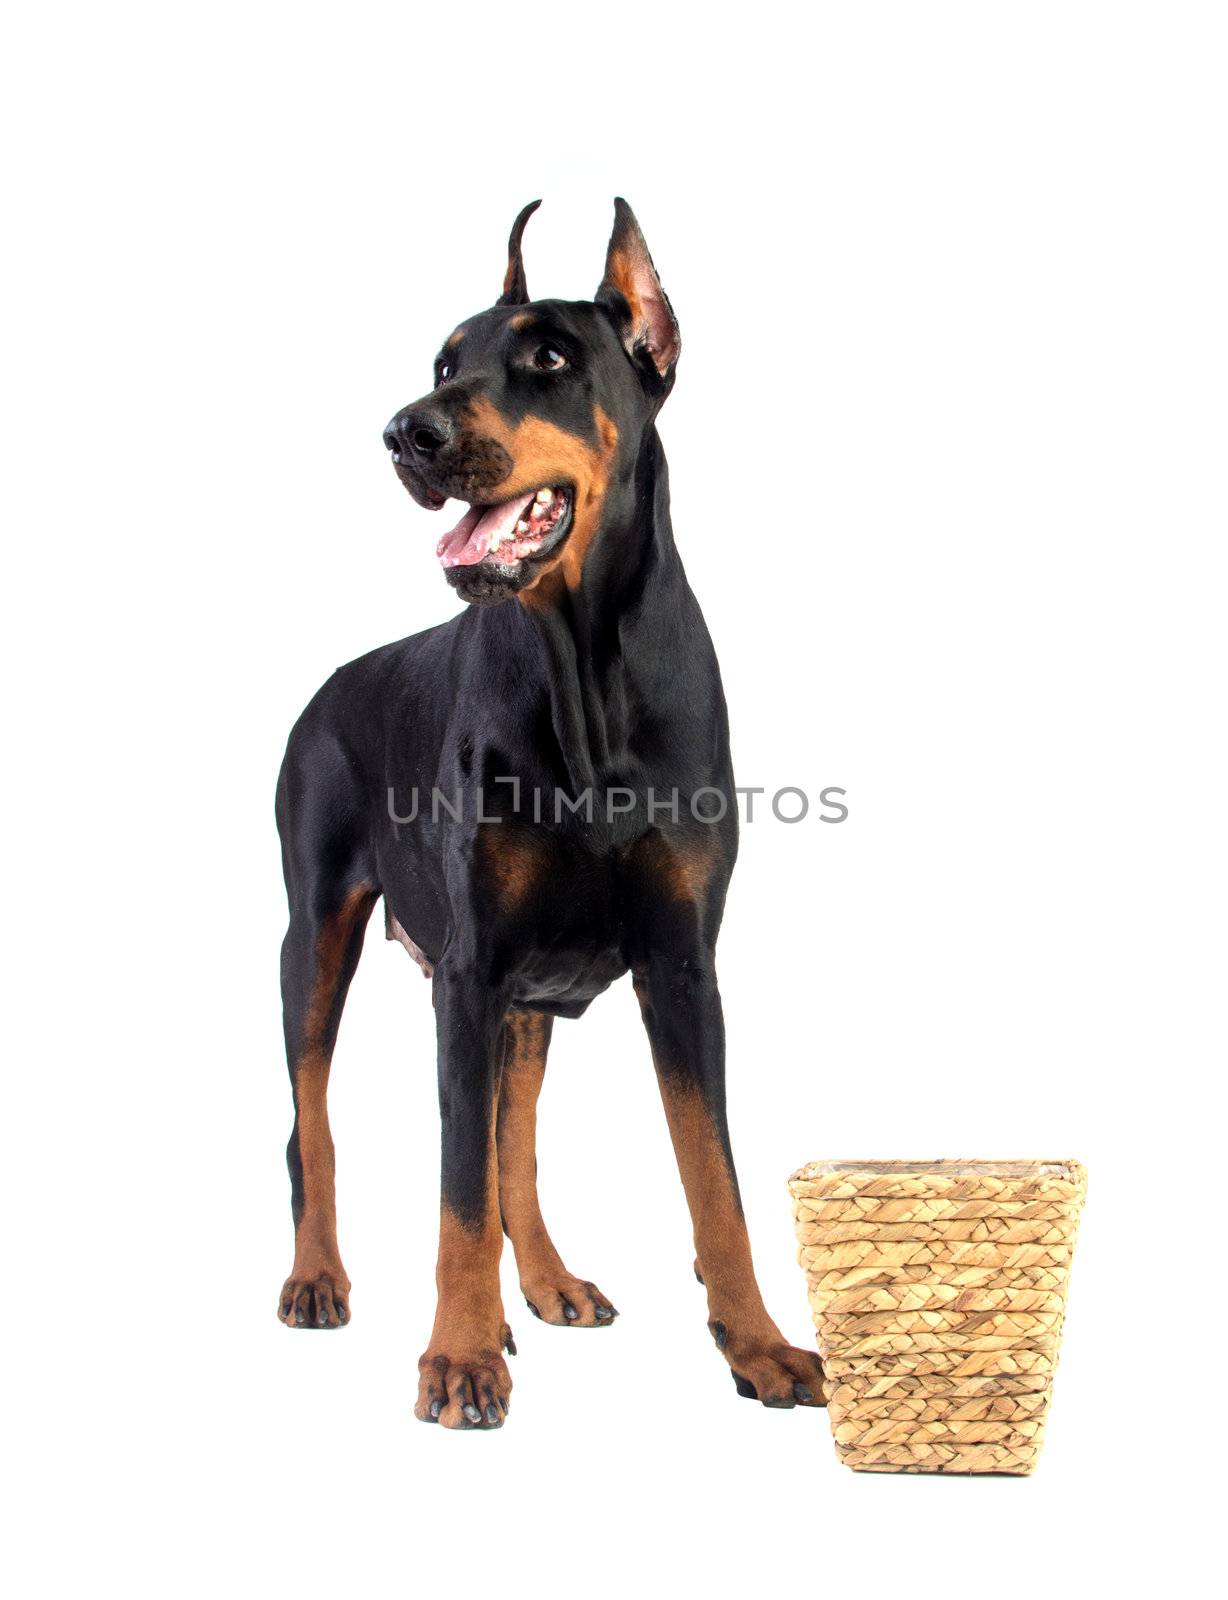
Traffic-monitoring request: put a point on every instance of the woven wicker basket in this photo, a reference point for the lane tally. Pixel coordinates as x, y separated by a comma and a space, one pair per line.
938, 1290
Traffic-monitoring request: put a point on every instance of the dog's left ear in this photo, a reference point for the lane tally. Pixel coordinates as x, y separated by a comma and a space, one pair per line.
515, 288
632, 292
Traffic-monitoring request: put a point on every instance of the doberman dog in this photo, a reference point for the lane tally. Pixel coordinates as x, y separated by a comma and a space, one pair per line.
569, 727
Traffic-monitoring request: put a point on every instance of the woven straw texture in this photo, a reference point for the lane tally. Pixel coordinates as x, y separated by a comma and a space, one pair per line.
938, 1290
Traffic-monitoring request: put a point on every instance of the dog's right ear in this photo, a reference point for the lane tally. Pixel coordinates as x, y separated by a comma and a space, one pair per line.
515, 289
632, 293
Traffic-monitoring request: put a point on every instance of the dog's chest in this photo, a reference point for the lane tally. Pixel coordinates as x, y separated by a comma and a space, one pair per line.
565, 918
557, 915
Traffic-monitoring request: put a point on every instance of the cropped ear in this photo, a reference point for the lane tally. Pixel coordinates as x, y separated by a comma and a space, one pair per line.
632, 291
515, 289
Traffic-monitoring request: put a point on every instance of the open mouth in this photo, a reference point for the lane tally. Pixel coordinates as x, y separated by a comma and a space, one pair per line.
523, 529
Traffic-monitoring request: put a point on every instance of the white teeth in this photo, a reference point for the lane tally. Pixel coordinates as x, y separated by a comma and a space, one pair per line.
496, 541
522, 526
545, 496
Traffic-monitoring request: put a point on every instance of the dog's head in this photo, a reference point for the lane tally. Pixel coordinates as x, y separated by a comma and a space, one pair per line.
538, 407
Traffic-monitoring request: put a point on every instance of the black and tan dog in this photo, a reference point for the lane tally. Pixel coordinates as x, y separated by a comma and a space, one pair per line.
541, 791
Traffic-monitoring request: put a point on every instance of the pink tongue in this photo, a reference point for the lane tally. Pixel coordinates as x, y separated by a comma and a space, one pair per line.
469, 540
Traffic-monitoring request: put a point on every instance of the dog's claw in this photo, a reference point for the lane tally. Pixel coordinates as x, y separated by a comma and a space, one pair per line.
466, 1391
309, 1300
567, 1302
777, 1380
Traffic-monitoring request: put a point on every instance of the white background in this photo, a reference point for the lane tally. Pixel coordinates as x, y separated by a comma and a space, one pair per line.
947, 454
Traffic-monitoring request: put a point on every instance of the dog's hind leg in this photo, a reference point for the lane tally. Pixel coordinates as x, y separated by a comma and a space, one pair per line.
551, 1292
330, 880
320, 953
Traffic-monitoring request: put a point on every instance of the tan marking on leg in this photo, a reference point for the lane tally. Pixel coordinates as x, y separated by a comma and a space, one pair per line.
756, 1350
317, 1271
524, 1068
463, 1378
467, 1276
722, 1246
545, 1282
331, 946
315, 1237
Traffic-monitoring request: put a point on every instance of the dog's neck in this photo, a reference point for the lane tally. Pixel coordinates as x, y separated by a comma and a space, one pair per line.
619, 644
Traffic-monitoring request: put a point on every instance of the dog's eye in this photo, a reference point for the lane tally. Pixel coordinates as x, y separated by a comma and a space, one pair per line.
443, 372
548, 358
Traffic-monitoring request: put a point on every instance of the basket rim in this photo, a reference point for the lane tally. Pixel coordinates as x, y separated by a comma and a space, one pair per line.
1009, 1169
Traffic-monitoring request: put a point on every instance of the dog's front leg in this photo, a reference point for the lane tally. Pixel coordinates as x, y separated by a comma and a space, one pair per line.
464, 1381
681, 1005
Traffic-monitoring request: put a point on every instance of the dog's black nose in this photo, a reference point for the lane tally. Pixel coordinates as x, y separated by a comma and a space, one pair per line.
416, 434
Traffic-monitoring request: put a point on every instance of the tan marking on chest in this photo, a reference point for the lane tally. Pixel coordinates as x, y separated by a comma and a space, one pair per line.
682, 867
514, 863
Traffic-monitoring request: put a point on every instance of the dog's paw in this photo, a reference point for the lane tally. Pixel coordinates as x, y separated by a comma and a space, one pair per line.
320, 1300
777, 1375
472, 1390
568, 1302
